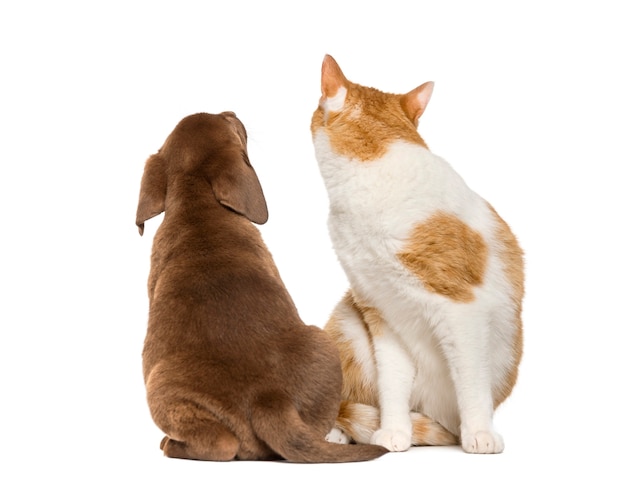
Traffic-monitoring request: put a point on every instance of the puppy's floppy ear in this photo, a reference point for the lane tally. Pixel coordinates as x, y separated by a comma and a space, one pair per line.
152, 191
237, 187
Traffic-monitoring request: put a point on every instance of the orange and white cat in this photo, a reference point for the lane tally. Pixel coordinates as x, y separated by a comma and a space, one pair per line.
430, 332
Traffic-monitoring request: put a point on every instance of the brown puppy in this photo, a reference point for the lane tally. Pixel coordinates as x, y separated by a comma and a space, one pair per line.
230, 369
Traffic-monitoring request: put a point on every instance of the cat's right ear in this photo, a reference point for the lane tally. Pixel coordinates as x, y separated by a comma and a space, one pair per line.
152, 191
334, 85
414, 103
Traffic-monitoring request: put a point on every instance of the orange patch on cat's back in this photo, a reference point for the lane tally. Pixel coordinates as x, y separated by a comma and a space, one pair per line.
448, 256
369, 122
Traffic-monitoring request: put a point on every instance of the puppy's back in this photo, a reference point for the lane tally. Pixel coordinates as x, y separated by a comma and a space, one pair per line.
230, 369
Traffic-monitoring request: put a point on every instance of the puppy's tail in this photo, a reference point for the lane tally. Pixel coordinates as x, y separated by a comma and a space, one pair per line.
276, 421
360, 421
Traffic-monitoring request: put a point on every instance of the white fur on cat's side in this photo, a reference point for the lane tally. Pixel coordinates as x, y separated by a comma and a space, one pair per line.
461, 350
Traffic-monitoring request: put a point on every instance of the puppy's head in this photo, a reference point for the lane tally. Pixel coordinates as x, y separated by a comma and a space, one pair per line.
212, 146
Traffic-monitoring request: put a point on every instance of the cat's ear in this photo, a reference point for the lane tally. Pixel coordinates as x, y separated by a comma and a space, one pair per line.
334, 85
414, 103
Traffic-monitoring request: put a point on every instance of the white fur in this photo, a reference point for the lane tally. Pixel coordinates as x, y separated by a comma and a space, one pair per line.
336, 102
456, 349
337, 436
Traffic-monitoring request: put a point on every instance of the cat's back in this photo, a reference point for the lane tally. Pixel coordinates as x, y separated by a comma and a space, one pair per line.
394, 205
381, 189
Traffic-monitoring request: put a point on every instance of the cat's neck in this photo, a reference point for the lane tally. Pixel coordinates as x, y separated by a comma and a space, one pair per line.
339, 169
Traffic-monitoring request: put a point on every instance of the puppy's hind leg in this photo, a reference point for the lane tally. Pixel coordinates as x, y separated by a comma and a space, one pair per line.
202, 440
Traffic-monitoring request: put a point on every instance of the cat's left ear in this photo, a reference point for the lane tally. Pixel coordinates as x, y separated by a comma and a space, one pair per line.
414, 103
334, 85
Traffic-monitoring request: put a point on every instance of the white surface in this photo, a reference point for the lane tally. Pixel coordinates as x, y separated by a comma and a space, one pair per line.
528, 106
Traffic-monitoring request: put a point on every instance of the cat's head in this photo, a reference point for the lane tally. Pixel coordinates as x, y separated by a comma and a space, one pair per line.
362, 121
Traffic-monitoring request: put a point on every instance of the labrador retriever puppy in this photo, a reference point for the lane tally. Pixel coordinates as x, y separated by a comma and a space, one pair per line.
231, 371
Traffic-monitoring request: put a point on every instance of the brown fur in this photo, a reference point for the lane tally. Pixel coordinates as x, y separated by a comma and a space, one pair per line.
447, 255
231, 371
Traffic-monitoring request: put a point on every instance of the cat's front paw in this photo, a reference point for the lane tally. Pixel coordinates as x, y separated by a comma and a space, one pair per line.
482, 442
393, 440
337, 436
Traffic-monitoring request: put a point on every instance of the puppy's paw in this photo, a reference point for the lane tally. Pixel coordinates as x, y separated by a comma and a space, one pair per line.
394, 440
338, 437
482, 442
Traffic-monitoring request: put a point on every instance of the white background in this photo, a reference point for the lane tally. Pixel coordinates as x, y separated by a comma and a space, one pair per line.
528, 106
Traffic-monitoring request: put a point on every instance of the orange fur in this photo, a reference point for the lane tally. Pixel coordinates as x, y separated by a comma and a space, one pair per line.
354, 386
371, 317
359, 414
428, 432
368, 123
360, 421
448, 256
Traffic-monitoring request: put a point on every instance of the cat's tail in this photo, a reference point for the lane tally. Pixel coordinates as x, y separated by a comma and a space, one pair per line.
277, 422
359, 422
